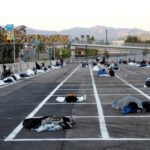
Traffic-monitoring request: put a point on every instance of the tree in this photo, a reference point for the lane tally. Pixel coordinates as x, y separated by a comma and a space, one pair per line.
132, 39
106, 54
40, 48
82, 36
76, 39
92, 38
92, 52
145, 53
66, 53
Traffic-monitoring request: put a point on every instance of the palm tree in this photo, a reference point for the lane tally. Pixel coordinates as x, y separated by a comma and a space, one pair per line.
82, 36
76, 39
40, 48
145, 53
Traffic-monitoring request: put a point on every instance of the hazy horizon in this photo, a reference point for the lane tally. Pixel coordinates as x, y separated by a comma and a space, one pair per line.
64, 14
85, 27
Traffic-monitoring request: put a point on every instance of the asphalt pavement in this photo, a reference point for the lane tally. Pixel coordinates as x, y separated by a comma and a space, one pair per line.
97, 125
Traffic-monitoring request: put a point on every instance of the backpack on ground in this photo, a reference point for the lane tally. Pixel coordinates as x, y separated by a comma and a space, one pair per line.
146, 105
71, 98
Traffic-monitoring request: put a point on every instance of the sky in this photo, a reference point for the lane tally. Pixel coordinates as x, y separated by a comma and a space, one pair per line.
56, 15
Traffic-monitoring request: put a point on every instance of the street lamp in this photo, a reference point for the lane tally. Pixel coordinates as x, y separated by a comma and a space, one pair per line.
14, 47
86, 51
11, 36
106, 38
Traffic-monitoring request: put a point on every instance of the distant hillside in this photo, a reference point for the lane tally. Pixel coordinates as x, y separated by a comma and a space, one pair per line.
99, 32
43, 32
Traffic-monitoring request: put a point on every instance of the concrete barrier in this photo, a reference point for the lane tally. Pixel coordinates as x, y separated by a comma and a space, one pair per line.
22, 67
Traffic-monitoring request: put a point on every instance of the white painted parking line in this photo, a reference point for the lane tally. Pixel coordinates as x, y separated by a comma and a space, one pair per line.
67, 89
70, 103
103, 128
75, 89
80, 139
91, 117
13, 134
117, 94
129, 71
136, 89
122, 116
127, 116
100, 95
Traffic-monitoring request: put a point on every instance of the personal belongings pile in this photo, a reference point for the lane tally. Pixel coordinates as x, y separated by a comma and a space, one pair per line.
146, 105
8, 76
147, 82
85, 64
111, 72
48, 123
71, 98
128, 104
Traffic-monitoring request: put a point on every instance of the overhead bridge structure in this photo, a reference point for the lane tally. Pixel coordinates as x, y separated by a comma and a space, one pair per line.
79, 45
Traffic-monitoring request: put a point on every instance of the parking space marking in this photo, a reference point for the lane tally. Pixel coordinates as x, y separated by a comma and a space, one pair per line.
67, 89
116, 94
13, 134
101, 94
125, 116
145, 95
80, 139
103, 128
129, 71
70, 103
91, 117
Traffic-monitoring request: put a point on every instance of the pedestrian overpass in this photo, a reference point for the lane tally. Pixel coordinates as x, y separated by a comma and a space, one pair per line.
80, 45
136, 51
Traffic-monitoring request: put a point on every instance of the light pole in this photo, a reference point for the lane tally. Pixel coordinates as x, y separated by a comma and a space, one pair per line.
14, 47
106, 38
86, 51
11, 36
54, 49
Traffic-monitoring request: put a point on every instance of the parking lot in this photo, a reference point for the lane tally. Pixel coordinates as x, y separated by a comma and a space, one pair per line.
98, 126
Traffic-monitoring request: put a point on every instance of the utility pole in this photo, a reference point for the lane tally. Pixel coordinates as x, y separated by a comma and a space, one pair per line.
86, 51
106, 38
14, 47
11, 36
54, 49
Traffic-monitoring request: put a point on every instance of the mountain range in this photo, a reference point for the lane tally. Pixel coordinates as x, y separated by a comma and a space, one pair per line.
99, 32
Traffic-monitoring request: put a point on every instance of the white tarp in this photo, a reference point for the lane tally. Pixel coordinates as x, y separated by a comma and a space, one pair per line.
132, 64
104, 75
30, 72
2, 83
96, 68
10, 78
40, 71
54, 67
17, 76
49, 127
